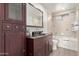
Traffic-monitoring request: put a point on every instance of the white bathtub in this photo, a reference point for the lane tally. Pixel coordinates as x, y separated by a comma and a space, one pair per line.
67, 42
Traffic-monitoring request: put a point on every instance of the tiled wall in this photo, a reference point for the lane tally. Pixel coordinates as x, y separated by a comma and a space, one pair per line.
31, 29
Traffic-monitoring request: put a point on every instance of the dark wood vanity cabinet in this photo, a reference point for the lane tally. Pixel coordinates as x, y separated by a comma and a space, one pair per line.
40, 46
12, 29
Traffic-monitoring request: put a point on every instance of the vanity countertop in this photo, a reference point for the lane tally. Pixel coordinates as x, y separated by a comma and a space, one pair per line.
35, 37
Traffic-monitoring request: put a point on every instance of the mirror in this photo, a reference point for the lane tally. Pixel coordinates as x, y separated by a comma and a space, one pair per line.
34, 16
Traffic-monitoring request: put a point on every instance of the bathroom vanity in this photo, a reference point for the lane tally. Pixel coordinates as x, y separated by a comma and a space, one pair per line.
39, 45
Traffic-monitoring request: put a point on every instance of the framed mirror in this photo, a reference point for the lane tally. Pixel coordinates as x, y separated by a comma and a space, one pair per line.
34, 16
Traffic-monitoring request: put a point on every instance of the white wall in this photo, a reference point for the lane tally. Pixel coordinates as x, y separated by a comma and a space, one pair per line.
37, 5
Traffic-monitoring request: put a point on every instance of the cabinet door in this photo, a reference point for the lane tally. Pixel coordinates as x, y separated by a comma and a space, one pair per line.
15, 12
14, 43
14, 39
38, 51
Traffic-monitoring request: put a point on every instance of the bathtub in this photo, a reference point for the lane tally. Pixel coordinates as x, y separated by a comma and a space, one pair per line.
67, 42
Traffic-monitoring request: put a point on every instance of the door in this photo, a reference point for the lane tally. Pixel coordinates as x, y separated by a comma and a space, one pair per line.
15, 13
14, 29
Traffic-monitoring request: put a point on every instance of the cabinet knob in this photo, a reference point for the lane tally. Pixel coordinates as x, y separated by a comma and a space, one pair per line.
16, 26
8, 26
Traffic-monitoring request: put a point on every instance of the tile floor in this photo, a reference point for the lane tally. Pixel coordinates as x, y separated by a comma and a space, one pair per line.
64, 52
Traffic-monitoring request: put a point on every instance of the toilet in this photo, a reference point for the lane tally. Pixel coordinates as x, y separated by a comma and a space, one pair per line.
55, 44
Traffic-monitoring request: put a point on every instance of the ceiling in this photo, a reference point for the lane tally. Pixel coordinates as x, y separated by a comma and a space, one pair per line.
56, 7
